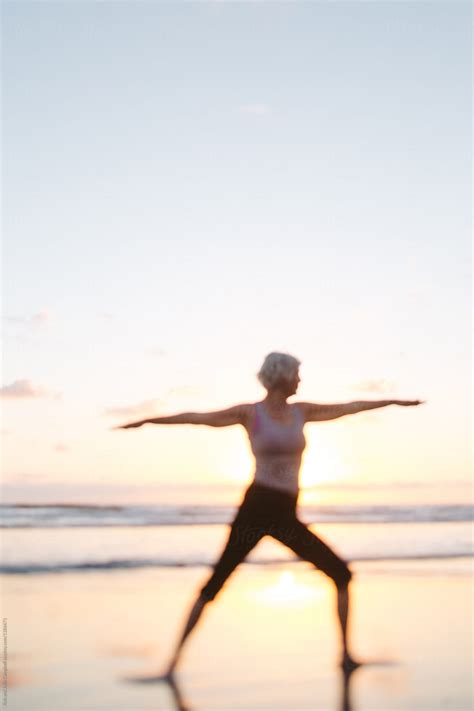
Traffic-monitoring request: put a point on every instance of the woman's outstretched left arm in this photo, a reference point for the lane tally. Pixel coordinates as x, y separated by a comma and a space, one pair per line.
236, 415
315, 412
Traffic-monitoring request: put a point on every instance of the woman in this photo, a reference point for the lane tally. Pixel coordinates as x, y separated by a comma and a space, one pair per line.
275, 430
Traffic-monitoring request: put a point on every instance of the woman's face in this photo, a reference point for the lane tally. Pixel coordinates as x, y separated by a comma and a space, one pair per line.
291, 386
294, 382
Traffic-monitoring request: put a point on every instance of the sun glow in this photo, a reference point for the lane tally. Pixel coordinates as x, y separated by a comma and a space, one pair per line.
239, 466
322, 461
287, 590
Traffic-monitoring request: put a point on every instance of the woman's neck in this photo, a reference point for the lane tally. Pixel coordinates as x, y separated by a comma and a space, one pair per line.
276, 400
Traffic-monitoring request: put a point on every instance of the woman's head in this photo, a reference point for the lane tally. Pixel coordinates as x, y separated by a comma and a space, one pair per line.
279, 371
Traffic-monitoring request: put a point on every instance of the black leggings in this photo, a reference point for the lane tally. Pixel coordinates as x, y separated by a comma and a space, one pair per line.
269, 512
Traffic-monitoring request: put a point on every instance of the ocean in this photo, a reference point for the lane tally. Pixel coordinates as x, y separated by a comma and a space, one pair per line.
387, 525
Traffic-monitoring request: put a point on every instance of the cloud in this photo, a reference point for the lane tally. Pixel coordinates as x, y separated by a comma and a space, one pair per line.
61, 447
41, 318
156, 352
107, 316
255, 109
147, 407
375, 385
20, 389
21, 477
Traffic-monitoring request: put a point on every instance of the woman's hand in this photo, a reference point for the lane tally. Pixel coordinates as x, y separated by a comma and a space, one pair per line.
130, 425
408, 403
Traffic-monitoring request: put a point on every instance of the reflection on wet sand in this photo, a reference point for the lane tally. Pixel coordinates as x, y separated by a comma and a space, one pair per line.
179, 701
266, 644
170, 679
181, 704
345, 699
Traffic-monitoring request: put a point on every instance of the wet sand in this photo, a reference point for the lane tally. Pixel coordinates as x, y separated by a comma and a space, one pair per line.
269, 641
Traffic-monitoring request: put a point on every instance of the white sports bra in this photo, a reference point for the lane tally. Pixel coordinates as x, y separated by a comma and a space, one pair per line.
278, 448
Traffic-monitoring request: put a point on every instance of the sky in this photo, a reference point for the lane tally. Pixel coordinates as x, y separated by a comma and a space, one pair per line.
188, 186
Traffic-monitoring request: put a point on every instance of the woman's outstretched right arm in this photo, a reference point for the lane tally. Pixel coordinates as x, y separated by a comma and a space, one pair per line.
236, 415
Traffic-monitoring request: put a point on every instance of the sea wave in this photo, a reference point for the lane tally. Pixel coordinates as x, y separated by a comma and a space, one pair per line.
74, 515
133, 563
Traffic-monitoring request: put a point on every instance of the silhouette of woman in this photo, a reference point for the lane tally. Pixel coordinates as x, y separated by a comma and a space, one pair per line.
275, 430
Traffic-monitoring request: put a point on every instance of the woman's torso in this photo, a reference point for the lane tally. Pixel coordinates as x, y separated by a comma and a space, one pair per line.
278, 447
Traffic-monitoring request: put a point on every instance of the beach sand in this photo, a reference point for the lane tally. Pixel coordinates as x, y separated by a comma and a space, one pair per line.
269, 641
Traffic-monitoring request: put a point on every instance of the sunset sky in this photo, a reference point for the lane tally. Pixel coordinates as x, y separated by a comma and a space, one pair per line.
188, 186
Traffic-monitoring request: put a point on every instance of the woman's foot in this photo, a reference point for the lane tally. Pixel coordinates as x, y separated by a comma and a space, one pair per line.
169, 673
156, 679
349, 664
167, 677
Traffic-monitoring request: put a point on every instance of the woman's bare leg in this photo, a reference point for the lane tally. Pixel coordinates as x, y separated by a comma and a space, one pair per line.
347, 662
297, 536
193, 618
244, 534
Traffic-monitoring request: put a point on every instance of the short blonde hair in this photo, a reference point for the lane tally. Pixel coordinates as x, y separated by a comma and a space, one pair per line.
277, 368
